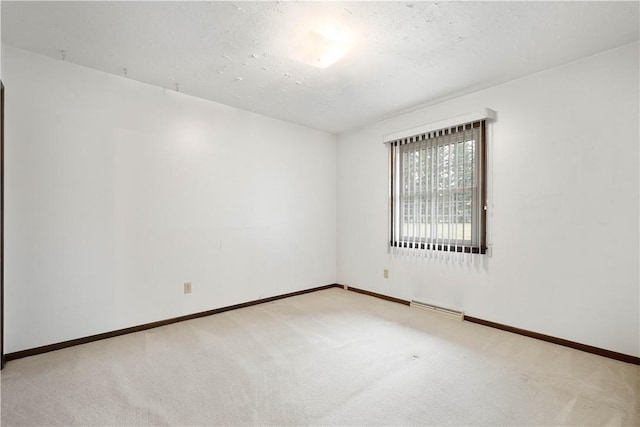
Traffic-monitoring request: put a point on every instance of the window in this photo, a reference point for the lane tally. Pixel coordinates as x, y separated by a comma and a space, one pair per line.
438, 190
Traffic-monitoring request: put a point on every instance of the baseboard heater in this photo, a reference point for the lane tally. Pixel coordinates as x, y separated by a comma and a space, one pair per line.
447, 312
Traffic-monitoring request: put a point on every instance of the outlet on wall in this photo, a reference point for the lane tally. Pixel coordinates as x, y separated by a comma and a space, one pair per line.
386, 273
187, 287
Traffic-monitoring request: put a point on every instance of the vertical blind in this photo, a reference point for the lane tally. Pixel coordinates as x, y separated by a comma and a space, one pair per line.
438, 190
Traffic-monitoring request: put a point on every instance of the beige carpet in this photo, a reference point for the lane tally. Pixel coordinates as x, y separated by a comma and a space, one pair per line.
327, 358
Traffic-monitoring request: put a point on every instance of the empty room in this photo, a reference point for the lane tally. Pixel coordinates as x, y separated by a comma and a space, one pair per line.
320, 213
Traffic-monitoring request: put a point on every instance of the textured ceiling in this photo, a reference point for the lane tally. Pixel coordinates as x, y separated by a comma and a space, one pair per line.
243, 54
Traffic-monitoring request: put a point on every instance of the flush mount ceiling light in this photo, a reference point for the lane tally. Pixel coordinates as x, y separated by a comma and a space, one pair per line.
324, 47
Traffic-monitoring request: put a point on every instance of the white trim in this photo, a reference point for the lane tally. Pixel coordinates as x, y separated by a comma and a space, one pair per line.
485, 113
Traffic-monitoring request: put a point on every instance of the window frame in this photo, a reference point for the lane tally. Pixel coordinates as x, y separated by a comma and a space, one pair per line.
397, 147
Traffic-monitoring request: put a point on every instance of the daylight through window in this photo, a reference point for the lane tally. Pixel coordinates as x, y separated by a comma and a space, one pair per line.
438, 190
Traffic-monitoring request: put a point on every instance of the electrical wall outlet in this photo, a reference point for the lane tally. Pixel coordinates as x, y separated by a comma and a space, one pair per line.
386, 273
187, 287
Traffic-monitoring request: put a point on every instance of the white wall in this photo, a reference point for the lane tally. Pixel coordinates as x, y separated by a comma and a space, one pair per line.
564, 193
117, 192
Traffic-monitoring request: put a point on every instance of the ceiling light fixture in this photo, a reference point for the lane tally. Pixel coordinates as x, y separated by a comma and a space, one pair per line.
325, 46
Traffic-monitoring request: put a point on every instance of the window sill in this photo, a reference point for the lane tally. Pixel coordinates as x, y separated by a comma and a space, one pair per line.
441, 247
